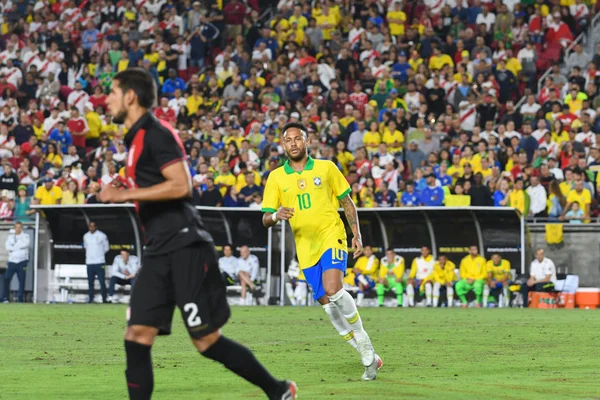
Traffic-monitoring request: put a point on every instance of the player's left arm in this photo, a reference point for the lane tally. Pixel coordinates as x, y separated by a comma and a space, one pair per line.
352, 217
341, 190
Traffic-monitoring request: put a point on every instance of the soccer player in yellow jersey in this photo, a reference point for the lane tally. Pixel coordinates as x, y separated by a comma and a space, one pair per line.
443, 276
365, 271
420, 270
301, 192
472, 276
391, 275
498, 273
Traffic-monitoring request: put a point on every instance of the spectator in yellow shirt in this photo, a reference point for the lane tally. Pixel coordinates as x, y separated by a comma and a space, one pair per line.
94, 125
396, 19
225, 179
438, 60
48, 194
372, 138
580, 195
327, 22
298, 18
513, 64
393, 137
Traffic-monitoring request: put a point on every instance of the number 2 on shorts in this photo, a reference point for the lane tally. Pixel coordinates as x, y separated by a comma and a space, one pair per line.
193, 319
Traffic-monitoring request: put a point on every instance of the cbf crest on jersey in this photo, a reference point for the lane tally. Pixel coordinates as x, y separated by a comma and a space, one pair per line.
317, 181
302, 184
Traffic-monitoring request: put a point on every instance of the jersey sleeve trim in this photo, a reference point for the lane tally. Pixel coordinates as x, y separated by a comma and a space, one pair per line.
346, 192
173, 161
271, 210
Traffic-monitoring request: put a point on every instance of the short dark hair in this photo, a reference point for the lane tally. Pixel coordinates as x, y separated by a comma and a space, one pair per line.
295, 125
142, 84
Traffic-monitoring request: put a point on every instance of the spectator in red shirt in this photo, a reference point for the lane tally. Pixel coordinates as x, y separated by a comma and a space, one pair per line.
78, 128
234, 13
166, 113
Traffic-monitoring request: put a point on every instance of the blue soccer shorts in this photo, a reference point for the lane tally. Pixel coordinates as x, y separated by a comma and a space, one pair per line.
314, 274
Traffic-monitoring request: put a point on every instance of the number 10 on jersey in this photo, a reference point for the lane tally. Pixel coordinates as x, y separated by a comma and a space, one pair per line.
304, 202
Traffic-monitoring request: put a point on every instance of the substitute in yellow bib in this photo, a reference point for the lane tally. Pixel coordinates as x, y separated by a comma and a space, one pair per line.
498, 274
302, 192
443, 276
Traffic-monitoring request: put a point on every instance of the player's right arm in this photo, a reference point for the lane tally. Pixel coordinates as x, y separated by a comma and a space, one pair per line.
271, 206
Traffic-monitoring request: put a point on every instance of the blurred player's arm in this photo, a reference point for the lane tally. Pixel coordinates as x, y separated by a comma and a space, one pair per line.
167, 153
177, 185
413, 271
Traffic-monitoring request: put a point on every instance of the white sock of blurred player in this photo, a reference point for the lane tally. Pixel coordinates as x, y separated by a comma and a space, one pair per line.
359, 299
289, 290
486, 295
450, 295
428, 293
436, 294
410, 292
345, 304
340, 324
505, 297
301, 293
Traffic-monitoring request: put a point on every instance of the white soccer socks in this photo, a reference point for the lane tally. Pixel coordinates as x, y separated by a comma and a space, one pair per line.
410, 292
359, 299
450, 295
340, 324
486, 295
289, 290
428, 293
301, 293
436, 294
345, 303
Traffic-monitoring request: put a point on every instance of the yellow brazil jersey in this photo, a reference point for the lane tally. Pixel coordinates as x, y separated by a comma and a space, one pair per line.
122, 65
519, 199
514, 65
237, 139
371, 140
475, 162
316, 223
438, 62
395, 266
330, 20
443, 274
345, 121
193, 103
368, 266
241, 180
389, 138
473, 268
396, 29
48, 197
458, 170
110, 130
225, 181
38, 131
302, 21
584, 198
94, 124
499, 272
345, 158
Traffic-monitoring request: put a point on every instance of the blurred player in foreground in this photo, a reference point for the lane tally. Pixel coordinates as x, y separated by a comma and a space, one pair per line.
391, 274
179, 264
302, 191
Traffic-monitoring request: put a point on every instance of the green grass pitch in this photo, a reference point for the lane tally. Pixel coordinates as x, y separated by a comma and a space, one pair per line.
76, 352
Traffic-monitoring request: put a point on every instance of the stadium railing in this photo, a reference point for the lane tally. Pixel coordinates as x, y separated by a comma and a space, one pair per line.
450, 230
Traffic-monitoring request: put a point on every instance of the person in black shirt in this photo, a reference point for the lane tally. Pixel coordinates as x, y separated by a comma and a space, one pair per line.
211, 196
180, 260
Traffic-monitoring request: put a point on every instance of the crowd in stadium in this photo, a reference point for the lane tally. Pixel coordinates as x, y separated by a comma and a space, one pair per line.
413, 100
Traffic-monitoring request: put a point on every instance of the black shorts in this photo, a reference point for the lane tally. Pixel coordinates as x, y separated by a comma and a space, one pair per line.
188, 278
